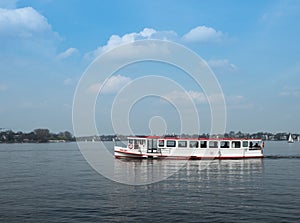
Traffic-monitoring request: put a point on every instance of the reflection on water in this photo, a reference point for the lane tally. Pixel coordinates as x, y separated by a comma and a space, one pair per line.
145, 171
153, 170
228, 173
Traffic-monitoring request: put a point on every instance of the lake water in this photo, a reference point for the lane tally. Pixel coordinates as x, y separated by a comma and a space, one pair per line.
54, 183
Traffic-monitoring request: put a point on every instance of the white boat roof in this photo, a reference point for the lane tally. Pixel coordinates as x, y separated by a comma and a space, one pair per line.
184, 138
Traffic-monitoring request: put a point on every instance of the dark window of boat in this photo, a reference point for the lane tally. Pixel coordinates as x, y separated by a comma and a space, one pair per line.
182, 144
224, 144
161, 143
203, 144
171, 143
154, 144
194, 144
236, 144
245, 143
140, 141
135, 144
213, 144
255, 144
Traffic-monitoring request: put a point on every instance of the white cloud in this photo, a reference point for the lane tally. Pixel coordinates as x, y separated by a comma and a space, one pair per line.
69, 52
238, 102
112, 85
222, 66
289, 91
22, 22
221, 63
277, 11
198, 34
270, 16
115, 40
235, 99
68, 81
203, 34
197, 97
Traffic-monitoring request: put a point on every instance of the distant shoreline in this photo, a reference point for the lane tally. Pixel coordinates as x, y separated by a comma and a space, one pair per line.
36, 136
45, 136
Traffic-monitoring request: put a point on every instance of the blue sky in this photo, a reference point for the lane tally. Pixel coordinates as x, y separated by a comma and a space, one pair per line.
252, 47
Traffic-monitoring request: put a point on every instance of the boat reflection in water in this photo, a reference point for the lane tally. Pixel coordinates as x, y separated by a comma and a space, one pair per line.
145, 171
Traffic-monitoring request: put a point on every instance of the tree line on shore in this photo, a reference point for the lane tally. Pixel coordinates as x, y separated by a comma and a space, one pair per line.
282, 136
44, 136
36, 136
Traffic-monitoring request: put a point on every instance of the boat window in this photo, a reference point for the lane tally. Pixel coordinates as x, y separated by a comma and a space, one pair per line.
213, 144
182, 143
203, 144
171, 143
236, 144
154, 144
135, 144
224, 144
194, 144
130, 141
161, 143
140, 141
255, 144
245, 143
149, 144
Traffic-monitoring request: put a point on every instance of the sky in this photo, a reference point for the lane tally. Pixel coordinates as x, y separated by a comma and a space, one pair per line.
251, 46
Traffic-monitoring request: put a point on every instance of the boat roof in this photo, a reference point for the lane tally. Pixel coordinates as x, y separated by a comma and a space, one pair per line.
185, 138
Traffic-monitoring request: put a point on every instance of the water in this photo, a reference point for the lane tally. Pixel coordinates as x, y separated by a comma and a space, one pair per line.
53, 183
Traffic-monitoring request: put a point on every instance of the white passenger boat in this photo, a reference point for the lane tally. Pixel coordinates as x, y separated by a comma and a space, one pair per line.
189, 148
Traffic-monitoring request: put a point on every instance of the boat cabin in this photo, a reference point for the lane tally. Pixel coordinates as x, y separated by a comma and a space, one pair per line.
153, 144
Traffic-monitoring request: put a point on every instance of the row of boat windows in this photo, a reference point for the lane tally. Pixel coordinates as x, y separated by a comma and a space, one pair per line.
154, 143
202, 144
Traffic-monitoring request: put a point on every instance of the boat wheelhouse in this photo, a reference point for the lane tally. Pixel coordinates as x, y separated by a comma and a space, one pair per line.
189, 148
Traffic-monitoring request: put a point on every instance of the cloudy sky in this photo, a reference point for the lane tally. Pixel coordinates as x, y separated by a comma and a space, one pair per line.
251, 46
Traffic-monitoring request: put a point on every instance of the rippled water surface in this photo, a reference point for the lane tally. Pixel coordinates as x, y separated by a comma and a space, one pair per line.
54, 183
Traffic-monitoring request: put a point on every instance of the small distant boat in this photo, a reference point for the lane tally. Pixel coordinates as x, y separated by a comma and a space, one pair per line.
290, 140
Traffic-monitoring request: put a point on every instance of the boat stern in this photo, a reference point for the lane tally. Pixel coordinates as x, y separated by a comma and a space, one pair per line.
123, 152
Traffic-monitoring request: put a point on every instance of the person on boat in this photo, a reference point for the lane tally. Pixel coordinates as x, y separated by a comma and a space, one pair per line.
251, 144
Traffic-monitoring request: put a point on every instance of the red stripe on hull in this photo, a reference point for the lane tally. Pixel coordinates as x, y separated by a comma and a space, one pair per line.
130, 157
125, 152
